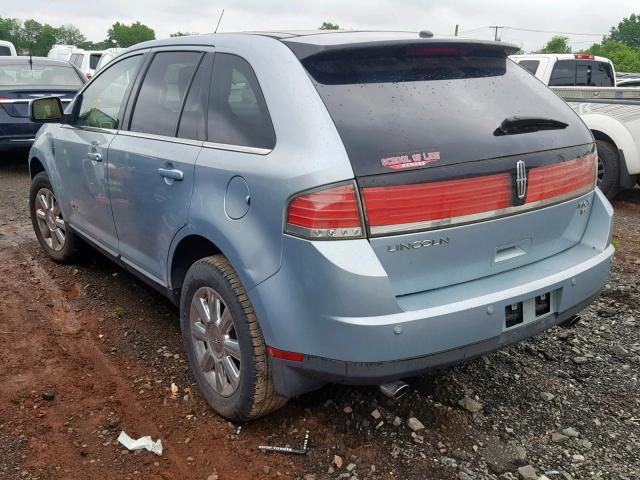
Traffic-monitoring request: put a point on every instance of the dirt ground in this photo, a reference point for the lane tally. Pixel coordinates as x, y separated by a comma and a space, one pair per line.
89, 351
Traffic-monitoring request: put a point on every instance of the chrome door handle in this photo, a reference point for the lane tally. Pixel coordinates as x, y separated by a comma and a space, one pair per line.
94, 156
172, 173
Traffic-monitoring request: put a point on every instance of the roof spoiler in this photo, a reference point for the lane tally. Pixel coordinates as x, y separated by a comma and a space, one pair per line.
304, 50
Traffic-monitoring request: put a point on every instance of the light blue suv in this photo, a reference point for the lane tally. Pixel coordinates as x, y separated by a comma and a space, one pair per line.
354, 207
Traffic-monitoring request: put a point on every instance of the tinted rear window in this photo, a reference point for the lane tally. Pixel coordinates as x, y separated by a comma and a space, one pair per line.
438, 104
586, 73
50, 75
5, 51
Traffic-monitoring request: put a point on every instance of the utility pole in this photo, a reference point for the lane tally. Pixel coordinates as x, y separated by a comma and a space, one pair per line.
495, 27
456, 33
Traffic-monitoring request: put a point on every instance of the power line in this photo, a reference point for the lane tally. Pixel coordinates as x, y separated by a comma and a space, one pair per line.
561, 33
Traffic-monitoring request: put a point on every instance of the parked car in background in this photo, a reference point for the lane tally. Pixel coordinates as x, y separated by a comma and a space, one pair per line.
328, 206
629, 82
86, 61
21, 80
7, 49
108, 55
61, 52
613, 114
565, 70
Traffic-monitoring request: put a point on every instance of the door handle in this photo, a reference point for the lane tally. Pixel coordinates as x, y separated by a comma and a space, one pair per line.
94, 156
171, 173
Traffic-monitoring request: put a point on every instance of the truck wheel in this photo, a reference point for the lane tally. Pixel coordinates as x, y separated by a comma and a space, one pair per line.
224, 343
608, 169
53, 234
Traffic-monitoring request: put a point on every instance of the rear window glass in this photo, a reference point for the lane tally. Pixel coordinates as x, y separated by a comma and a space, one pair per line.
38, 75
584, 73
5, 51
406, 107
93, 60
530, 65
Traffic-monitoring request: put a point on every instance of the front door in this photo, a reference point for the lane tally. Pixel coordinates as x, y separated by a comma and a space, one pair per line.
82, 153
152, 163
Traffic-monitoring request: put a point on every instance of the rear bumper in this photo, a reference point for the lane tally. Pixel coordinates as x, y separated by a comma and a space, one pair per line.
338, 311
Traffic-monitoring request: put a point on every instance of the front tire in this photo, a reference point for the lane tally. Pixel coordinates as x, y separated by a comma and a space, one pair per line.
52, 232
224, 343
608, 169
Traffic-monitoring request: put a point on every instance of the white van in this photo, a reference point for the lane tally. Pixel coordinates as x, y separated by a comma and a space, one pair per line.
7, 49
86, 61
61, 52
108, 55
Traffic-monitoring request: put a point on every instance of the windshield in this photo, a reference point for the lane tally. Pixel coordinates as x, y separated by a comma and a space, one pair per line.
39, 75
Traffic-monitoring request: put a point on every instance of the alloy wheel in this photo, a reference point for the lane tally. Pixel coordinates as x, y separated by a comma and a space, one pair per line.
215, 341
50, 221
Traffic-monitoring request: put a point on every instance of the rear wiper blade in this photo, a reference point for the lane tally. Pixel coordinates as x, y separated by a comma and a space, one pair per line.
515, 125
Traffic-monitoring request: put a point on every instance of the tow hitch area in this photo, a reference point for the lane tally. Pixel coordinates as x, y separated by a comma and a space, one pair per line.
522, 312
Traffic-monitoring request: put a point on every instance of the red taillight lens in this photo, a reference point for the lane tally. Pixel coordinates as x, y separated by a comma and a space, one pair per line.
328, 213
437, 201
560, 180
583, 56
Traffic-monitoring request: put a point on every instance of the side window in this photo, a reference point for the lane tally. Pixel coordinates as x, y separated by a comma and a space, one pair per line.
79, 59
530, 65
563, 74
162, 92
93, 60
238, 114
102, 100
193, 121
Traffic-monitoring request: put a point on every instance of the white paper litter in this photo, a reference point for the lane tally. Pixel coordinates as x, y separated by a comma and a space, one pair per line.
140, 443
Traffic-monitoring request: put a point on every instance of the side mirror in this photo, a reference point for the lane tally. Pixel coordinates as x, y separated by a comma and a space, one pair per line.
46, 110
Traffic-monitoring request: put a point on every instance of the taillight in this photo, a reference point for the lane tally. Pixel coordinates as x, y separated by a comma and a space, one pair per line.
438, 202
331, 212
563, 180
405, 208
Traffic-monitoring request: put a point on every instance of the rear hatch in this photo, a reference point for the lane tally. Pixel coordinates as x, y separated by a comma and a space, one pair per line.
15, 100
466, 165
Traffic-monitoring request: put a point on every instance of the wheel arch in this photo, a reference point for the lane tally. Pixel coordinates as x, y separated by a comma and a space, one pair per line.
35, 167
604, 127
186, 251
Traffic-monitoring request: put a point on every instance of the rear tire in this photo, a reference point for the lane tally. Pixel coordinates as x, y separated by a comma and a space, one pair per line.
608, 169
224, 344
54, 235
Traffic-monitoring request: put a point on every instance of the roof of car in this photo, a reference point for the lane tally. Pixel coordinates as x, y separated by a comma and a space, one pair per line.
316, 40
24, 60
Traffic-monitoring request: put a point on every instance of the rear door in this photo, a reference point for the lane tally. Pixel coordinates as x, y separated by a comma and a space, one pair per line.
152, 162
449, 193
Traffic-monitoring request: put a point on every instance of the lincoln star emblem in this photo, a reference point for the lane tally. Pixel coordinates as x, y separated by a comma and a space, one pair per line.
521, 179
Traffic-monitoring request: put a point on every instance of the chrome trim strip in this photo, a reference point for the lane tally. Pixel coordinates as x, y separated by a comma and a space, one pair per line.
162, 138
110, 131
476, 217
237, 148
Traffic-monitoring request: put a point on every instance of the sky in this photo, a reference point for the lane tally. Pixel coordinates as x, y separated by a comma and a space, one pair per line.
473, 17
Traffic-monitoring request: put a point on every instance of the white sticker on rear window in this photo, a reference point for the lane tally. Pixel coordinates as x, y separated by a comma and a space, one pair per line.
411, 160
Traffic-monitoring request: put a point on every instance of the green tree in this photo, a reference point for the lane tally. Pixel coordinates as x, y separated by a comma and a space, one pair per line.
627, 31
10, 30
329, 26
557, 44
70, 35
127, 35
181, 34
624, 57
37, 38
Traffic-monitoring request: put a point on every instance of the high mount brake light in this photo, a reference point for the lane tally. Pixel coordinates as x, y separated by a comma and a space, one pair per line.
583, 56
331, 212
405, 208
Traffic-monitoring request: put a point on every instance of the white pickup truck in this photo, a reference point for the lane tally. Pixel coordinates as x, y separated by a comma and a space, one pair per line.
587, 84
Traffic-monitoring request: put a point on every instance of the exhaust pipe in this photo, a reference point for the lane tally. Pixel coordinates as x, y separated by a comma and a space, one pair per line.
394, 390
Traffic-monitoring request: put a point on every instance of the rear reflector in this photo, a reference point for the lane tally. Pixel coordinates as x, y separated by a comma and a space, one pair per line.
284, 355
329, 213
405, 208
